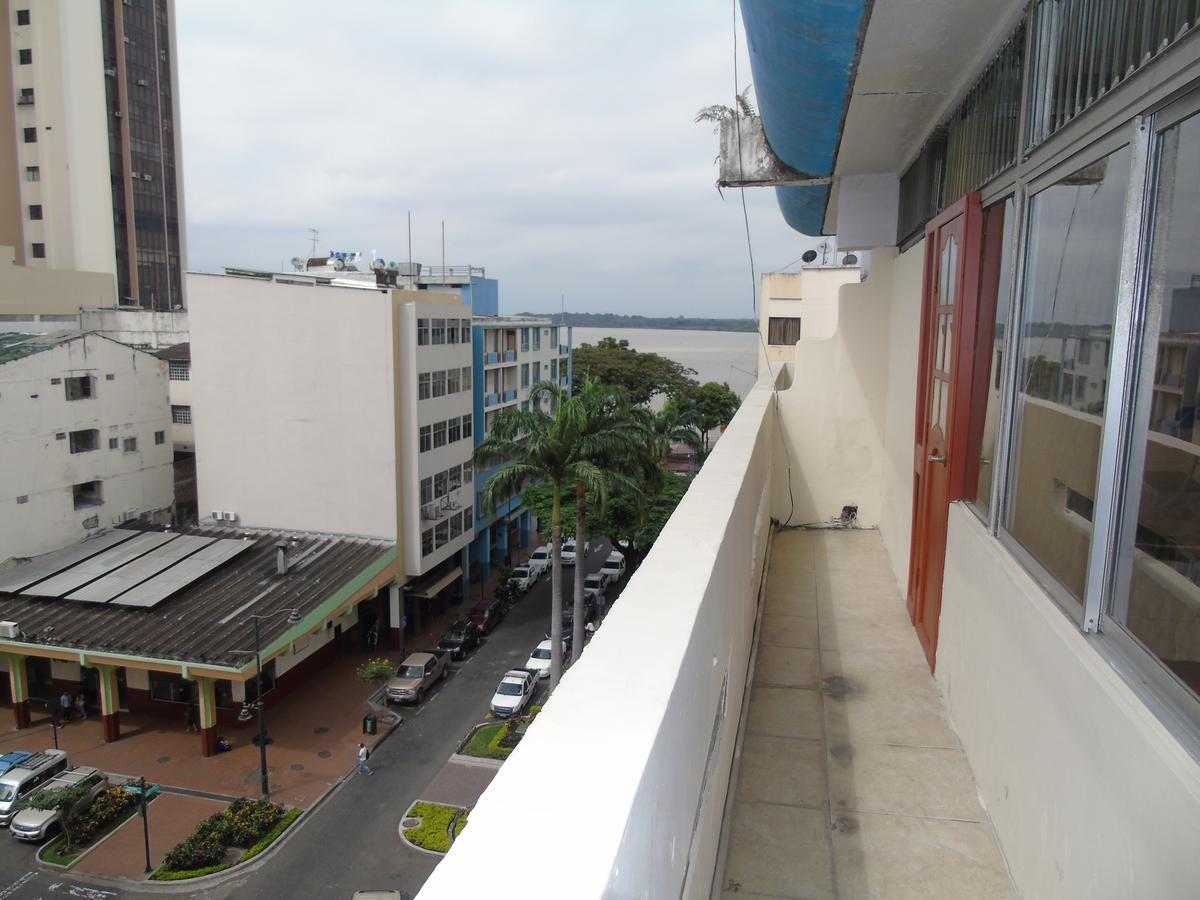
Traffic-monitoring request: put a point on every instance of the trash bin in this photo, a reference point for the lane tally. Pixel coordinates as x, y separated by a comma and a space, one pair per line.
370, 724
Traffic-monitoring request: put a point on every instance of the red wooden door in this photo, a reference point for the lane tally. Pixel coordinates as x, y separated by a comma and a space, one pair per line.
949, 309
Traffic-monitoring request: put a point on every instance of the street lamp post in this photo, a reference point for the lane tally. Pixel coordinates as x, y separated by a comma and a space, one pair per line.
244, 716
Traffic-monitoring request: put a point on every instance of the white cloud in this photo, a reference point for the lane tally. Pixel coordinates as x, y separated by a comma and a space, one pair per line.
554, 138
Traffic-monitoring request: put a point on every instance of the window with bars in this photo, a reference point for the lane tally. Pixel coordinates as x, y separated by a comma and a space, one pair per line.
181, 415
179, 370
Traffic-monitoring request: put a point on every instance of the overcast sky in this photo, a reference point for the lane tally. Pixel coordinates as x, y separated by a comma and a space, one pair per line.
554, 138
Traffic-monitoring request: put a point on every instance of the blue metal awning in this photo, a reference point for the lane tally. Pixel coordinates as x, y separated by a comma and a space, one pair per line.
802, 55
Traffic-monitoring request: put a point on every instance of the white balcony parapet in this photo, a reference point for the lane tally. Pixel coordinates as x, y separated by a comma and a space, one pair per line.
624, 774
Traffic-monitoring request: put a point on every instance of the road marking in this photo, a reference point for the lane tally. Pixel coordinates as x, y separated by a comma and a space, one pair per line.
78, 890
16, 885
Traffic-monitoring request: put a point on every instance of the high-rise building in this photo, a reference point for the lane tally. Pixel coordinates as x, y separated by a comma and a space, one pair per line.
90, 144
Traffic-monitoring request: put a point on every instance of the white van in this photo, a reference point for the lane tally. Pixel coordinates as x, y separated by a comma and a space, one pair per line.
32, 773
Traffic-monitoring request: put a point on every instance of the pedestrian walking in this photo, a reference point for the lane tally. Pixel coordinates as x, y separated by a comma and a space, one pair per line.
81, 706
190, 720
363, 753
65, 706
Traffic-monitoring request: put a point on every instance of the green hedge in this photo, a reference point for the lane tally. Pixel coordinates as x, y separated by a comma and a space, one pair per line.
480, 741
291, 816
434, 831
161, 874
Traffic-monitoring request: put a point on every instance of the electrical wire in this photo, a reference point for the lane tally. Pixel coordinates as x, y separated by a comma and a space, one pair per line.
737, 122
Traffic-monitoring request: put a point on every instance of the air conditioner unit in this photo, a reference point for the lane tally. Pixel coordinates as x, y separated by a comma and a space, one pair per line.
10, 630
229, 516
429, 511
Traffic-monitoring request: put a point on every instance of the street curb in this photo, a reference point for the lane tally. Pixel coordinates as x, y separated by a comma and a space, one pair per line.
477, 761
203, 882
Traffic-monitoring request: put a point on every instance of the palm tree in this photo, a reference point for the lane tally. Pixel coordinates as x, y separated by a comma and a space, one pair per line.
673, 424
541, 445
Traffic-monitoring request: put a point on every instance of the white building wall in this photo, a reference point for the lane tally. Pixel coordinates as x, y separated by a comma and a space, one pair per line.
145, 328
70, 114
415, 414
810, 295
293, 404
36, 464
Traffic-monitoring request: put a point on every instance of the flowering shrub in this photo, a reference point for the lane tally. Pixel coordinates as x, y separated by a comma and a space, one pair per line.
242, 824
108, 806
375, 670
194, 853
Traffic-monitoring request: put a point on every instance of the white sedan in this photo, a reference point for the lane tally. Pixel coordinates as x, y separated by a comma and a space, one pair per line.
513, 692
539, 660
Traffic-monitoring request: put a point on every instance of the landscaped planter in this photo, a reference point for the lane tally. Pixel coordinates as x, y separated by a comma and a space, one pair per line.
226, 839
432, 827
108, 813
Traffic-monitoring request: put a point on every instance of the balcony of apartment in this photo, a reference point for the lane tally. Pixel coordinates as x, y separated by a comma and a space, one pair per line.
755, 717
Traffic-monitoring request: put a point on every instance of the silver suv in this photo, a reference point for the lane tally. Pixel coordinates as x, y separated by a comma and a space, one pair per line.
31, 824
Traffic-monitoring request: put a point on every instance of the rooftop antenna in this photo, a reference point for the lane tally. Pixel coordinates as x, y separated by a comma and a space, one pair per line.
562, 313
410, 268
315, 234
443, 251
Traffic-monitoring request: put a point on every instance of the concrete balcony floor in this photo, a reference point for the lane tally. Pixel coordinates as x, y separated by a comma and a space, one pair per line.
852, 782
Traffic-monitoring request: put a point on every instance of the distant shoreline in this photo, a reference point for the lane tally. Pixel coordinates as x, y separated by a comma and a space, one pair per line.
667, 323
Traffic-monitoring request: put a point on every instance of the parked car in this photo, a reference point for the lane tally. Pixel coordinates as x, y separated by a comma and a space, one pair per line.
567, 554
595, 582
513, 692
614, 566
416, 675
19, 782
461, 639
540, 561
522, 578
486, 615
38, 824
539, 659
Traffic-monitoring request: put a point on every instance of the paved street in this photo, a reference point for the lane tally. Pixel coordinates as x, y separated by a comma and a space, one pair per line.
350, 842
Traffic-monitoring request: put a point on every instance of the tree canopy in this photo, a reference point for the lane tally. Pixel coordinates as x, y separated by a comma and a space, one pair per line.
641, 375
707, 406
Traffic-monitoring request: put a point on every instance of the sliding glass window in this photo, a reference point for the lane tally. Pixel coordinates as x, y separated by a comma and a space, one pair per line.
1156, 595
1072, 266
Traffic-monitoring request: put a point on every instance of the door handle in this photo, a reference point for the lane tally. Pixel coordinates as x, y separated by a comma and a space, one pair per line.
937, 457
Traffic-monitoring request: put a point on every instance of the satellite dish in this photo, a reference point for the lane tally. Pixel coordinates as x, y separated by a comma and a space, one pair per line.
297, 263
849, 260
339, 264
809, 256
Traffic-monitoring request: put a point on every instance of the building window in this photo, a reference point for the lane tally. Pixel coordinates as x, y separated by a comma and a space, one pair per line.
467, 472
1073, 259
467, 421
454, 477
426, 438
33, 173
453, 431
114, 443
23, 498
467, 518
438, 331
524, 375
38, 251
466, 378
524, 406
441, 533
439, 434
35, 212
30, 135
455, 525
439, 384
26, 97
422, 332
426, 491
181, 415
131, 445
554, 370
537, 339
22, 17
524, 340
783, 331
160, 437
25, 57
89, 493
423, 386
85, 441
452, 331
439, 485
995, 279
464, 327
426, 541
453, 381
82, 387
179, 370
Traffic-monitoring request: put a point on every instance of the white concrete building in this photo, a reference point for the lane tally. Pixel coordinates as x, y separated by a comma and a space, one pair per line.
512, 354
335, 409
991, 688
83, 440
90, 143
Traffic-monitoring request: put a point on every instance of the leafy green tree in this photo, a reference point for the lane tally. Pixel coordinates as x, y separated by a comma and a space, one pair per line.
708, 406
69, 800
641, 375
567, 447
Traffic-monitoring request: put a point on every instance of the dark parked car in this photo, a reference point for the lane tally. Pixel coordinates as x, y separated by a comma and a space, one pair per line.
486, 615
461, 639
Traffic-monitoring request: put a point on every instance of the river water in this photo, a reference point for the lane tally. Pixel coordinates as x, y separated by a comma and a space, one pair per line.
724, 356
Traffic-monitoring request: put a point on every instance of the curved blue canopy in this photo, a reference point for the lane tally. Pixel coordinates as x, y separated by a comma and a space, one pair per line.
802, 54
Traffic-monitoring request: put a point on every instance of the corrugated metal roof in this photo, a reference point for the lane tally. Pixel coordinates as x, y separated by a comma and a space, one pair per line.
206, 620
15, 345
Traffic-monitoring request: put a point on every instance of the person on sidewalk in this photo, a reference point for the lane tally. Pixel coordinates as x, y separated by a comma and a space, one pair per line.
363, 753
189, 720
81, 706
64, 707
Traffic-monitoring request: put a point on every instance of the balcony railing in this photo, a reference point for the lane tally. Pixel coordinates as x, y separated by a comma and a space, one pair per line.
491, 358
510, 395
647, 820
491, 399
510, 355
563, 350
